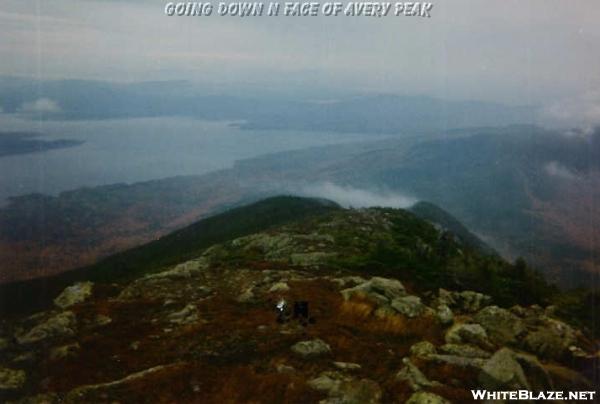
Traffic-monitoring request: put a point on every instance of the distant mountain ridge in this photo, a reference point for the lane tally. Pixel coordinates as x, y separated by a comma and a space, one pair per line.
393, 114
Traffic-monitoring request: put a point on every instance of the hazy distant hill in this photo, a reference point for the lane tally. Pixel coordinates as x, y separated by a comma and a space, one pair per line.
391, 114
78, 99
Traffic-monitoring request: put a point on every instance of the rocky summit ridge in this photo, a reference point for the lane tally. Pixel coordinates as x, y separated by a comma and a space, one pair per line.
389, 323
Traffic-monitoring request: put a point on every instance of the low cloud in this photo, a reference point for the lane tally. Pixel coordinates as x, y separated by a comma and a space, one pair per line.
40, 106
582, 111
555, 169
357, 198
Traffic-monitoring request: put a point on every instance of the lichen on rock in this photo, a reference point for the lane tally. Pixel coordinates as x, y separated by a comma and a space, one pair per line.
74, 294
11, 379
311, 348
62, 324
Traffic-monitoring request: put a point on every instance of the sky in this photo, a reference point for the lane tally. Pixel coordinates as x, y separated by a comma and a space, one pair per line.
536, 52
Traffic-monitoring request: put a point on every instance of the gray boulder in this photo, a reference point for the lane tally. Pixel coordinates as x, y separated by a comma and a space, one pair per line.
380, 290
467, 334
247, 295
551, 340
77, 293
411, 375
274, 246
172, 284
362, 391
465, 301
464, 350
25, 358
60, 325
458, 361
342, 389
279, 287
185, 270
384, 311
65, 351
444, 315
503, 372
422, 397
422, 349
311, 348
347, 365
187, 315
11, 379
536, 374
501, 325
328, 381
101, 320
531, 314
286, 369
347, 280
410, 306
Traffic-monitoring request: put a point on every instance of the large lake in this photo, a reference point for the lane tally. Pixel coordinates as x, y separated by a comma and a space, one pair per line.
133, 150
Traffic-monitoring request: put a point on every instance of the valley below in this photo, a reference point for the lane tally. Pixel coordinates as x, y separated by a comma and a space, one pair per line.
526, 191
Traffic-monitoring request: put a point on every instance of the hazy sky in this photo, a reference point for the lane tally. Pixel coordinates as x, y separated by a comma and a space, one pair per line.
515, 51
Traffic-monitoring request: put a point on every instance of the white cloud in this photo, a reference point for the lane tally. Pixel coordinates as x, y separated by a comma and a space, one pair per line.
40, 106
555, 169
582, 111
357, 198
